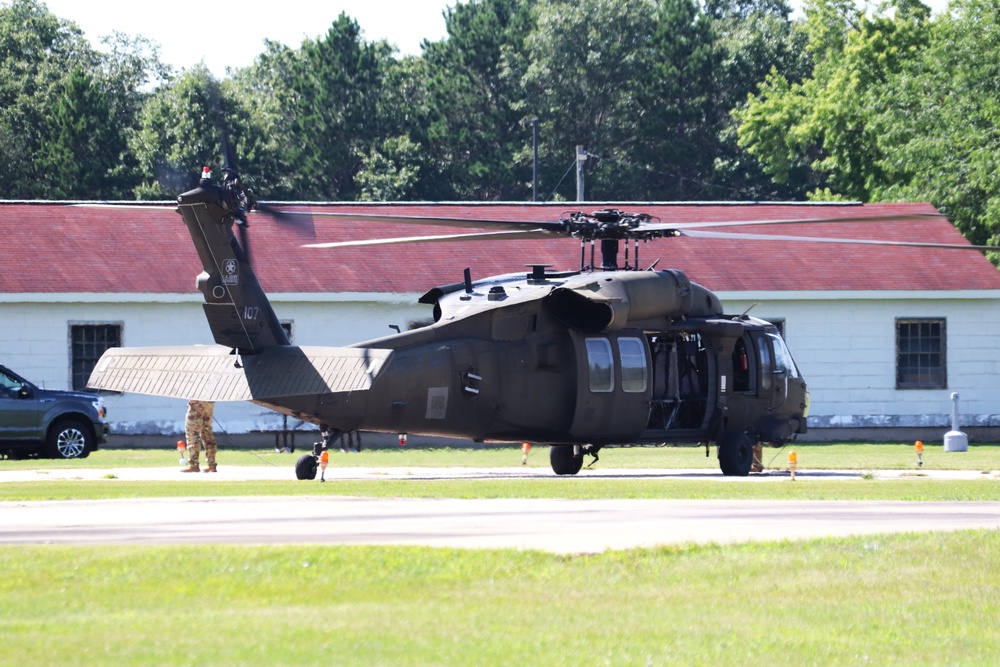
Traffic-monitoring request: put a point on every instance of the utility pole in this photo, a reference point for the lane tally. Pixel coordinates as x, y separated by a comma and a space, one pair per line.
581, 157
534, 156
534, 159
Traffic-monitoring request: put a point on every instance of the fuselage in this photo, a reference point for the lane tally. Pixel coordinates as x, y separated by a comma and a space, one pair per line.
598, 358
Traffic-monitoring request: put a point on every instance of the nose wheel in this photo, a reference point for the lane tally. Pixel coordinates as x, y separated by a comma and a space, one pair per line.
735, 453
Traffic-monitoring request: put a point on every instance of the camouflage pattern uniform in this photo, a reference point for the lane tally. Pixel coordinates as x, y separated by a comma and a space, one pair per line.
758, 458
198, 432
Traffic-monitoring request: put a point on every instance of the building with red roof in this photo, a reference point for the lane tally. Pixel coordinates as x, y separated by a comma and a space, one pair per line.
862, 321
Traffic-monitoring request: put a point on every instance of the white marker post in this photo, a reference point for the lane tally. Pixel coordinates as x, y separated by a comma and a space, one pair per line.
955, 440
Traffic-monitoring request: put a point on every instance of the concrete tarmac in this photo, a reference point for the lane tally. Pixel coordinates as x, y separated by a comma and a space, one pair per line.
564, 526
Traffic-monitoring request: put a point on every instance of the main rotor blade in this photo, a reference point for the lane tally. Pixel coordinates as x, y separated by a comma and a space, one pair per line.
813, 239
515, 235
789, 221
149, 207
467, 223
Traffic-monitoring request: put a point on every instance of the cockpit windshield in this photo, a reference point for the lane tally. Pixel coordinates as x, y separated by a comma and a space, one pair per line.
782, 357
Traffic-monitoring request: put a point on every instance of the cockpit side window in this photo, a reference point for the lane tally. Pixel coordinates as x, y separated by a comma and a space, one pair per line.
742, 376
766, 363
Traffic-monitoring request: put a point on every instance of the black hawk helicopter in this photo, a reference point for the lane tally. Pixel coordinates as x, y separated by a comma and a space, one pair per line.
579, 360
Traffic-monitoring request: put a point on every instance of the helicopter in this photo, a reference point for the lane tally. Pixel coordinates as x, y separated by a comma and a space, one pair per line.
602, 355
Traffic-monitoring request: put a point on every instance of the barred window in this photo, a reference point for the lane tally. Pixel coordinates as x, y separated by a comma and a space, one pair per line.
921, 347
87, 343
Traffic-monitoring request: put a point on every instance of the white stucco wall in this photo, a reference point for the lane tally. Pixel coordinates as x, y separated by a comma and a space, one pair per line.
845, 345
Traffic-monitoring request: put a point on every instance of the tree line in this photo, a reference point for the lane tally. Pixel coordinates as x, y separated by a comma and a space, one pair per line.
671, 99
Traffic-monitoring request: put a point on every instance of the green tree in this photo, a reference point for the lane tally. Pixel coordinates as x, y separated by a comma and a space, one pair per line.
753, 37
681, 117
938, 126
328, 100
587, 59
390, 171
474, 131
826, 121
37, 51
85, 144
186, 125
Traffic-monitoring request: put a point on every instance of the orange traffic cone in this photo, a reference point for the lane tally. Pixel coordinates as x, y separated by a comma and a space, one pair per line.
324, 459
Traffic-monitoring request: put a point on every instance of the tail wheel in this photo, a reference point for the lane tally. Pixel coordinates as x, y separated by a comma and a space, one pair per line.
69, 439
566, 459
735, 453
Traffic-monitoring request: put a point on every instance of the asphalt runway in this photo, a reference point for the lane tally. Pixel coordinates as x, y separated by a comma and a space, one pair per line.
563, 526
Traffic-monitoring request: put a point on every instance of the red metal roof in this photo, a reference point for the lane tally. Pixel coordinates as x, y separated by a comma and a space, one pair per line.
54, 248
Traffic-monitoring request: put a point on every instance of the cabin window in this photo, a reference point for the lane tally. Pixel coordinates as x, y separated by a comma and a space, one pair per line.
920, 354
602, 377
766, 364
87, 343
633, 356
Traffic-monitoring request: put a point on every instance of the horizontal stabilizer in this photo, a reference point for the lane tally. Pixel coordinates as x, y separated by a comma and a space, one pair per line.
214, 373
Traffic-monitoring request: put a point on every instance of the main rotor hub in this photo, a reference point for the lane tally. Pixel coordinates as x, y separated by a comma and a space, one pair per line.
607, 223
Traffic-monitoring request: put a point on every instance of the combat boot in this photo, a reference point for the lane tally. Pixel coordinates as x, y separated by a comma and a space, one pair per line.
191, 468
210, 468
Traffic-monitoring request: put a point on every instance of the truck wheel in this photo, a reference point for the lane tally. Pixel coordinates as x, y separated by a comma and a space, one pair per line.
69, 439
564, 460
306, 467
735, 453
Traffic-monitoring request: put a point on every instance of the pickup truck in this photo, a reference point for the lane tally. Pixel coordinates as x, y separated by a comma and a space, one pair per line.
46, 422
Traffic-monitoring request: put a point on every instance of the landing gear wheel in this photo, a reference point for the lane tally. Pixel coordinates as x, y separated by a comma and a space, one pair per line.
306, 467
69, 439
565, 460
735, 453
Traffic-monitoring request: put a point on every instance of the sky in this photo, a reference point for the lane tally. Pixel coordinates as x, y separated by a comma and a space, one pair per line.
231, 34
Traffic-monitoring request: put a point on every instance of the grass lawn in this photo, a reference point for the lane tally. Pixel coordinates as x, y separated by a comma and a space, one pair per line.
862, 458
906, 599
816, 456
922, 599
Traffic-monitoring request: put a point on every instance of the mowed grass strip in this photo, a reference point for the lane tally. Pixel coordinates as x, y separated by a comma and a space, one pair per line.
915, 489
904, 599
814, 456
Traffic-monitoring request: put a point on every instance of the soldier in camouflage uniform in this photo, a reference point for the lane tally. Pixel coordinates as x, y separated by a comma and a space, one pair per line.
198, 433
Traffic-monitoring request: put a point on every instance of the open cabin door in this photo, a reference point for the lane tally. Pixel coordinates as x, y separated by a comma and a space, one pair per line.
684, 384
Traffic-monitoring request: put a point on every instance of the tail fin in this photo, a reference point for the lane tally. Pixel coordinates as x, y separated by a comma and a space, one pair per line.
237, 309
